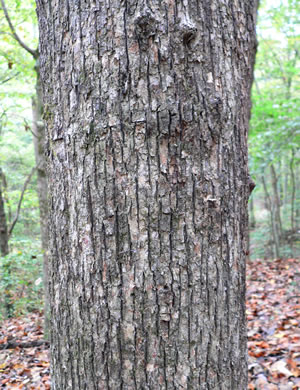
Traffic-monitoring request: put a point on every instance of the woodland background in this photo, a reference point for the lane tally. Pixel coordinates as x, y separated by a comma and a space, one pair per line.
274, 141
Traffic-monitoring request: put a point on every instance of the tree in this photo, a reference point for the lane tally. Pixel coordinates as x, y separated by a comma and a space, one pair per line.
147, 107
275, 123
3, 222
5, 234
38, 132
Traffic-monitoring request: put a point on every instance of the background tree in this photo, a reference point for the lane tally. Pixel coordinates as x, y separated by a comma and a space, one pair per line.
147, 109
274, 135
3, 221
37, 127
20, 270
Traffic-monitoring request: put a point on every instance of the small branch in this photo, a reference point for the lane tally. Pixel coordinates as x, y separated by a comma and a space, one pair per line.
9, 78
27, 127
3, 115
27, 181
34, 53
28, 344
33, 133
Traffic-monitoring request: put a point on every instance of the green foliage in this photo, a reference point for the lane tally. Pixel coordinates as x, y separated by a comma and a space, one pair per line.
275, 114
274, 138
17, 78
14, 57
20, 271
21, 287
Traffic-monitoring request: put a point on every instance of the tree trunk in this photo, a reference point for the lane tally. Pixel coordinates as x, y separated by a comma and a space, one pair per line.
38, 130
270, 207
4, 248
286, 162
3, 222
252, 213
293, 191
277, 205
297, 188
280, 182
293, 198
147, 109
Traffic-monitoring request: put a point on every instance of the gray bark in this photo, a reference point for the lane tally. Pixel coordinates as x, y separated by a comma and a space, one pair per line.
38, 130
147, 109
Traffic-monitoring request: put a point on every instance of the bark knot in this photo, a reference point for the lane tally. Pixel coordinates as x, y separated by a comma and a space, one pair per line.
188, 36
212, 203
145, 28
251, 184
188, 31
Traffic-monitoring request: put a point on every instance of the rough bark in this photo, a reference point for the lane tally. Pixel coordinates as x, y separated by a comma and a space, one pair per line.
38, 130
147, 109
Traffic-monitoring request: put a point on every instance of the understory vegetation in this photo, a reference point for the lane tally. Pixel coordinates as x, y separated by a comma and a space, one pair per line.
275, 134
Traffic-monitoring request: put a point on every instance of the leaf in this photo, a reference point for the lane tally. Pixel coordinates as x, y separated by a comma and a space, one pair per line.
281, 367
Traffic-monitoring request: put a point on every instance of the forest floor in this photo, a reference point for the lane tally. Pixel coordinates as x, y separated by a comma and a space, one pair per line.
273, 311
